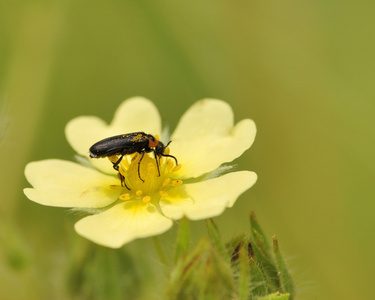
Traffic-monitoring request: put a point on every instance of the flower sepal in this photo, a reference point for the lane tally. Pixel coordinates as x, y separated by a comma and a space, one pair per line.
243, 268
267, 272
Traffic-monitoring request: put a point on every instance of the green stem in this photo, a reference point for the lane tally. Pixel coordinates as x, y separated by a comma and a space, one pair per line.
159, 250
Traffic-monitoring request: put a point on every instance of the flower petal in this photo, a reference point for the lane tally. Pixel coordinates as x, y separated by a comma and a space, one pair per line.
123, 223
67, 184
206, 199
137, 114
134, 114
83, 132
206, 137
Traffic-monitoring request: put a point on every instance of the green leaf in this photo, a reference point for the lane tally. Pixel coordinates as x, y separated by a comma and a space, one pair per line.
202, 274
244, 274
183, 239
233, 246
267, 266
286, 283
258, 235
95, 272
275, 296
258, 282
159, 250
214, 235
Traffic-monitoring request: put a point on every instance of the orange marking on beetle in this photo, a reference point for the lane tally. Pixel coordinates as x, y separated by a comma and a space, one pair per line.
152, 143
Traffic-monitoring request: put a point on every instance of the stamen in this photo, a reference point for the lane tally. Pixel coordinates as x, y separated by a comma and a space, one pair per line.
163, 194
151, 169
121, 171
166, 182
156, 136
146, 199
115, 186
167, 151
169, 164
125, 163
176, 182
153, 183
124, 197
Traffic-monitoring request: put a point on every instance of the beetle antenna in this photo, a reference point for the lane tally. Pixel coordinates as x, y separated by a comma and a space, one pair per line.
172, 157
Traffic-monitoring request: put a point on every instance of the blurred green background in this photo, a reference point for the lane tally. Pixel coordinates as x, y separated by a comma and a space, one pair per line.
303, 70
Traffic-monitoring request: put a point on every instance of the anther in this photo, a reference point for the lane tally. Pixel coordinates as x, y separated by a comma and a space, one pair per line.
122, 171
114, 186
146, 199
139, 193
166, 181
169, 164
176, 182
163, 194
124, 197
176, 168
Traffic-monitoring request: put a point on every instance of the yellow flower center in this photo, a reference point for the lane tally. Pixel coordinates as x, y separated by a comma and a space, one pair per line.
143, 179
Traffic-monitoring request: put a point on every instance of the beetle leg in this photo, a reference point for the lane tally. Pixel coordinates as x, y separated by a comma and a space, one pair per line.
115, 165
123, 182
122, 177
157, 162
139, 165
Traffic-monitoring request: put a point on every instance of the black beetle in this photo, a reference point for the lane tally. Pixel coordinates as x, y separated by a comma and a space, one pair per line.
129, 143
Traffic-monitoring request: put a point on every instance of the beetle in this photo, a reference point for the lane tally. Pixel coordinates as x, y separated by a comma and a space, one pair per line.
130, 143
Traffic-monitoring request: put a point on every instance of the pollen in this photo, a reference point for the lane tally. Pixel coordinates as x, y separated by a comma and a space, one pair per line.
113, 158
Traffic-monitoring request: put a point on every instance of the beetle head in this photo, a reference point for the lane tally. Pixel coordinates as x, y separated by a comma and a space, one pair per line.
160, 148
160, 151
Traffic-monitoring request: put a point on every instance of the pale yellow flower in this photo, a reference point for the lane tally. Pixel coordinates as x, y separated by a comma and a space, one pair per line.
204, 139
